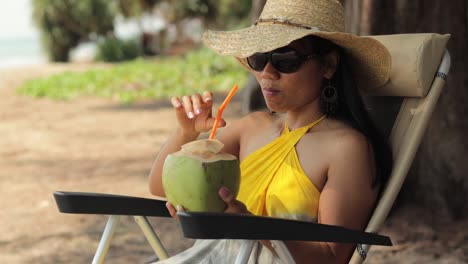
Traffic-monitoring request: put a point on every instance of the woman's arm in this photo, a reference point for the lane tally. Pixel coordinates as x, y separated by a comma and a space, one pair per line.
173, 144
347, 199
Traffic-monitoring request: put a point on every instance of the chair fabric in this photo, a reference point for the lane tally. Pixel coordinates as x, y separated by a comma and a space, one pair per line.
415, 58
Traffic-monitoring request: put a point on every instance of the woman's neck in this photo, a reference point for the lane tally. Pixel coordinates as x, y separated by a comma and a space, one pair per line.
304, 115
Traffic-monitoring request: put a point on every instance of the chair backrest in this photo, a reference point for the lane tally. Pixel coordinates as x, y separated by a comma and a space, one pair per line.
420, 64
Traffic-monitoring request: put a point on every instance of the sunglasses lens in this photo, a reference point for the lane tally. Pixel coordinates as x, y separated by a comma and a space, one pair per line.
286, 62
258, 61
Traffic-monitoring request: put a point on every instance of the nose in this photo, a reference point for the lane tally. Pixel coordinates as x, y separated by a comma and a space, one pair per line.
269, 72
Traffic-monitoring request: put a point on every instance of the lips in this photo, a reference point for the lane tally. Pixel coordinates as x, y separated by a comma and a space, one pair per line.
270, 91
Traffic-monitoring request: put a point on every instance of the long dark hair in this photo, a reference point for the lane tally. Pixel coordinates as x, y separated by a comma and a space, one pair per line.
351, 110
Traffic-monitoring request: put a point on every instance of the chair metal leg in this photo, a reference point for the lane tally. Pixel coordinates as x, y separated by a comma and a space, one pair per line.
152, 237
106, 238
244, 251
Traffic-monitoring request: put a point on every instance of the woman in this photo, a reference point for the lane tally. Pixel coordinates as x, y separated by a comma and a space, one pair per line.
316, 156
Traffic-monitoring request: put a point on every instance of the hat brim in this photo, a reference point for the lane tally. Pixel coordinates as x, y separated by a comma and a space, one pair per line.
371, 61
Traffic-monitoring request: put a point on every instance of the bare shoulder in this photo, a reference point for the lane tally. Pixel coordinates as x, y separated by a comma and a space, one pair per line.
341, 139
351, 156
348, 140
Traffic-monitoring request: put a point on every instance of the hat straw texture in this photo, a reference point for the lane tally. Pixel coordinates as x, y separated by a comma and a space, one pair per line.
284, 21
324, 14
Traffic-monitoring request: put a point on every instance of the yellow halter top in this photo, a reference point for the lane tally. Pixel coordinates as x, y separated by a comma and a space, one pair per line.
273, 182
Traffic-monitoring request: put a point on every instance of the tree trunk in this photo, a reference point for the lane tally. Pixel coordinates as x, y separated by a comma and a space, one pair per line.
257, 7
437, 179
252, 98
357, 16
353, 16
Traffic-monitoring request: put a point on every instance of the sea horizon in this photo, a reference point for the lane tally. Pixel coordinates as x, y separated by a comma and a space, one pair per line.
21, 51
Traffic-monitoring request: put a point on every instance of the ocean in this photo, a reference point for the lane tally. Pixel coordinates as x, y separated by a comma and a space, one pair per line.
20, 51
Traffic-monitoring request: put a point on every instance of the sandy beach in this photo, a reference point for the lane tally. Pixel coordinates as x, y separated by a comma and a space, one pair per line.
98, 145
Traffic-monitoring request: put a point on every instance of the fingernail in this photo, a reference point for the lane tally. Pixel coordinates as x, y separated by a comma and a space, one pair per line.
207, 99
224, 192
198, 111
191, 115
167, 205
177, 104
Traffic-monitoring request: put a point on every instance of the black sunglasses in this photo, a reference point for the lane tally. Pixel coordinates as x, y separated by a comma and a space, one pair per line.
284, 61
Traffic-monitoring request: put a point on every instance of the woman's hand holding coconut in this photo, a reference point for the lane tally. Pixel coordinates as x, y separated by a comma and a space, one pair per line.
173, 210
233, 205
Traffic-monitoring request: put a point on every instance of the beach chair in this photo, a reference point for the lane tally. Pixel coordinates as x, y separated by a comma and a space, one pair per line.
420, 67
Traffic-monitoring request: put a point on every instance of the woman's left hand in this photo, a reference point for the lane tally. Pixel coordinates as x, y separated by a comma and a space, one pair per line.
232, 205
173, 210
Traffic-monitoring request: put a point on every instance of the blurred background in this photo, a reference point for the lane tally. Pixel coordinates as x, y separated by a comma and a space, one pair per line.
85, 87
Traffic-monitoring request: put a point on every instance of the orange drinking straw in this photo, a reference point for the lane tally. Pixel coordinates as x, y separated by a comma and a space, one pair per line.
221, 109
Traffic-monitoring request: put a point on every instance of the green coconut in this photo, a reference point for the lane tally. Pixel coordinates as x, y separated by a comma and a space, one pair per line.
192, 176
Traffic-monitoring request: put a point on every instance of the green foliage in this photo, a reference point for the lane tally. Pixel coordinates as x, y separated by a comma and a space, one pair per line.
233, 13
218, 13
140, 79
134, 8
194, 8
64, 23
112, 49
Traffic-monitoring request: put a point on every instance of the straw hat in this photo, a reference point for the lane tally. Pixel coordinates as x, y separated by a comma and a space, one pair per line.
283, 21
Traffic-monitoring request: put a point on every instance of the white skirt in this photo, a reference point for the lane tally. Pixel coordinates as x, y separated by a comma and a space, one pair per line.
221, 252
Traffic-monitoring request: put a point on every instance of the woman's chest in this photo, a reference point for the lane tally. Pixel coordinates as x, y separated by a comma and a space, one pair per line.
257, 136
309, 154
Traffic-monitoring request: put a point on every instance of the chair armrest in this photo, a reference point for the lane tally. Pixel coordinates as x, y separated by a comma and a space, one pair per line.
235, 226
108, 204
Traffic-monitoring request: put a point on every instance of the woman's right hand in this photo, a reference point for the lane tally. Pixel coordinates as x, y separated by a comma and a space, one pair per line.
194, 113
